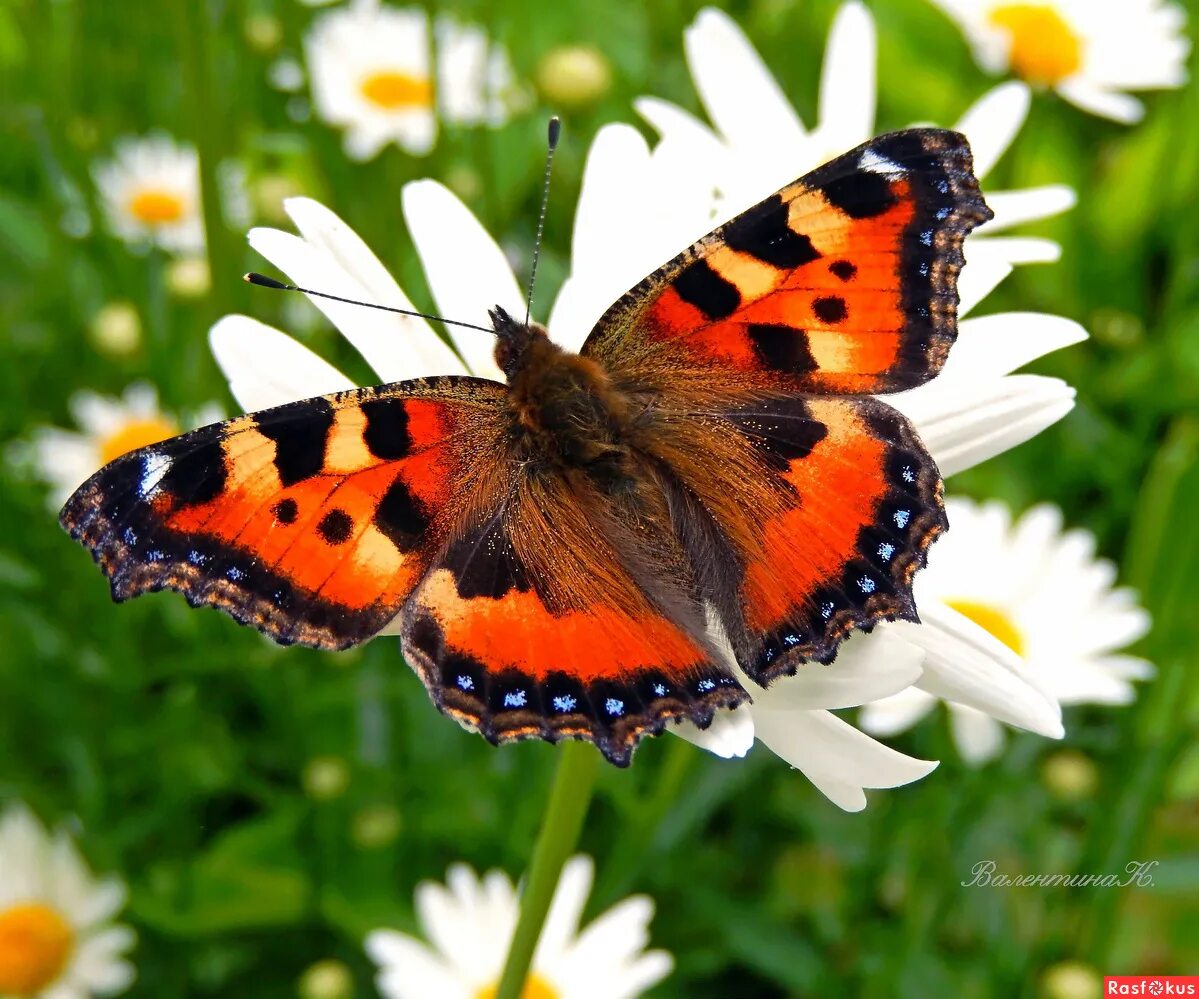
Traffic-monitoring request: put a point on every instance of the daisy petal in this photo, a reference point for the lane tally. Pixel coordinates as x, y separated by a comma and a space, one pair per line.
985, 270
1031, 204
1023, 249
671, 121
1129, 667
266, 367
419, 981
441, 916
617, 164
966, 664
643, 974
422, 350
104, 901
465, 267
896, 713
409, 969
837, 758
999, 344
968, 423
731, 733
1089, 685
979, 737
566, 909
380, 338
992, 122
1118, 107
867, 668
742, 98
617, 933
847, 81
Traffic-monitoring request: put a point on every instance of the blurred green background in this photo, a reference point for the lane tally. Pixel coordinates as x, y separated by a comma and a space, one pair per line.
269, 806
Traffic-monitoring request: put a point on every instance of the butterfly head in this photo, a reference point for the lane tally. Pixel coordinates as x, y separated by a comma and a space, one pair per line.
513, 339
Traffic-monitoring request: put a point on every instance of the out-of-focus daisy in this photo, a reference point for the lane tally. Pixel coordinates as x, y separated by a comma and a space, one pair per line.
1041, 598
116, 329
1089, 51
189, 276
469, 923
573, 76
370, 71
108, 428
468, 273
57, 935
151, 193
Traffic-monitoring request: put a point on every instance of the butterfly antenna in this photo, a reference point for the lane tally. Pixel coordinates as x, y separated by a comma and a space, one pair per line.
554, 130
266, 282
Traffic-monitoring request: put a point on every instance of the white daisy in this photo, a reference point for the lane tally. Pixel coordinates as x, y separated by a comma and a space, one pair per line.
57, 935
150, 190
470, 920
108, 428
1089, 51
370, 71
1041, 598
475, 85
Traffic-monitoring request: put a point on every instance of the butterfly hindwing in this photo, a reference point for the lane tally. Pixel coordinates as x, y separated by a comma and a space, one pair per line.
862, 504
843, 282
311, 521
807, 516
541, 620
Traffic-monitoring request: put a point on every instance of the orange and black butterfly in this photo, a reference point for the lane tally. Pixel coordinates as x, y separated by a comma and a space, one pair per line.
557, 552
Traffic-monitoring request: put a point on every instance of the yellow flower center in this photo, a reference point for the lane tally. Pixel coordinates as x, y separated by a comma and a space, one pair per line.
35, 942
1044, 49
155, 207
536, 987
393, 91
993, 620
134, 434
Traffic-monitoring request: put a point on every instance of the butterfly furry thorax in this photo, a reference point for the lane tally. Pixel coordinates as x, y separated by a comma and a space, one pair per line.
708, 492
564, 411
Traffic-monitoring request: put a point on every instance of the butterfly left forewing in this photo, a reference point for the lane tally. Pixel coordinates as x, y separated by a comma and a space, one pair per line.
311, 521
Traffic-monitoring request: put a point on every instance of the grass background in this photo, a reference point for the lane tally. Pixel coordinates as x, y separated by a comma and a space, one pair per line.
185, 745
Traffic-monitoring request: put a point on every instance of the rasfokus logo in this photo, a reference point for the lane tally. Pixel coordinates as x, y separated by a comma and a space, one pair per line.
1151, 985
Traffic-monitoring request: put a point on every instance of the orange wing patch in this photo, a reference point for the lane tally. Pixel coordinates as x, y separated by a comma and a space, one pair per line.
312, 521
844, 282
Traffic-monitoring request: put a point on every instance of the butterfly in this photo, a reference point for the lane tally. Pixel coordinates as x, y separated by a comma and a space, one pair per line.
579, 552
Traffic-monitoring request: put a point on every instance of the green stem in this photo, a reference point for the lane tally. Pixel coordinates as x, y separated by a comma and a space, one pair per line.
560, 828
642, 841
207, 125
